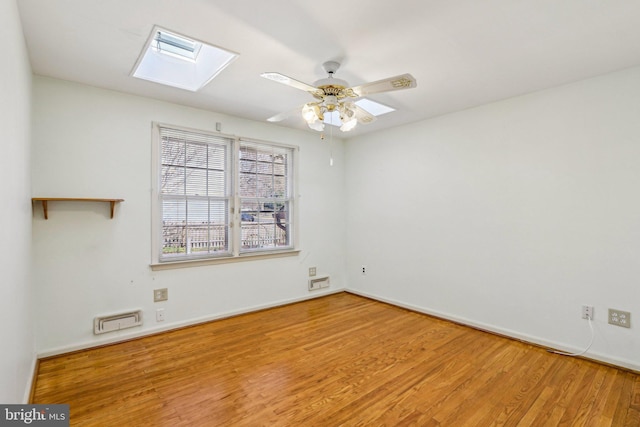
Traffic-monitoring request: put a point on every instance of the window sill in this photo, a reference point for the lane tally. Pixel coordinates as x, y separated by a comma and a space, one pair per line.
222, 260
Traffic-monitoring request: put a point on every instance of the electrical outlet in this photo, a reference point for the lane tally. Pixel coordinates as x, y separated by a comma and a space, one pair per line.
160, 294
364, 270
619, 318
587, 312
312, 271
160, 315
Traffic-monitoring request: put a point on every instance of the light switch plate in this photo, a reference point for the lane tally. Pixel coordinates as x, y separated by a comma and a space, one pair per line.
160, 294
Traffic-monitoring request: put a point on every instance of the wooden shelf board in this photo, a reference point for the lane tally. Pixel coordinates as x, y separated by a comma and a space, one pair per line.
45, 200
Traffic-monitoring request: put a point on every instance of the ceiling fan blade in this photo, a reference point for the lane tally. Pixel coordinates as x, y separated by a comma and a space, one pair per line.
285, 115
279, 117
362, 115
281, 78
403, 81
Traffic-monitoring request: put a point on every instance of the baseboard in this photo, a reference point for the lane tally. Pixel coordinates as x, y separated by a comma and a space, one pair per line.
30, 388
178, 325
533, 340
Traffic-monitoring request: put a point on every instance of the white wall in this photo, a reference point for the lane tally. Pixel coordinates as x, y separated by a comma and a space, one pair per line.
89, 142
509, 216
17, 357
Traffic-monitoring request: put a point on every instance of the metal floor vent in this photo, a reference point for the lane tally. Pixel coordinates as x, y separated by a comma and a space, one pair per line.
116, 322
319, 282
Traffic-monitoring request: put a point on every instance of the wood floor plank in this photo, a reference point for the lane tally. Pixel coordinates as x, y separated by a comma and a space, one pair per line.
340, 360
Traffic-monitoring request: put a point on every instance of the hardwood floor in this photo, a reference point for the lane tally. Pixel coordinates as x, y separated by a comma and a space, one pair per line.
337, 360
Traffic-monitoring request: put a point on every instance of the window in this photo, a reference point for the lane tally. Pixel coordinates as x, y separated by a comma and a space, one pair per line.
195, 194
265, 196
220, 197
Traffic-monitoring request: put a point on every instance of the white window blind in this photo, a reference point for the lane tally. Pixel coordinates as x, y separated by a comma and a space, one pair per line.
221, 197
265, 192
195, 194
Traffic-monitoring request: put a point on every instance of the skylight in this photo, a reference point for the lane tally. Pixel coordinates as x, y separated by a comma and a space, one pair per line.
372, 107
175, 60
172, 44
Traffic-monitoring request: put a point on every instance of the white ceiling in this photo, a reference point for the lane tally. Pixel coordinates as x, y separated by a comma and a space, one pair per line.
463, 53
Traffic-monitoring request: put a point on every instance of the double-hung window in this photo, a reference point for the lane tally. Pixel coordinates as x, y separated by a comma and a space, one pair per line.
217, 196
195, 194
265, 173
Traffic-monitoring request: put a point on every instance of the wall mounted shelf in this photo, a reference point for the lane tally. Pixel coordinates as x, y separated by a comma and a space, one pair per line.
45, 200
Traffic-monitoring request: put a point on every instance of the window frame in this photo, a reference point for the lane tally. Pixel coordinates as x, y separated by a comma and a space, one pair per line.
267, 204
235, 252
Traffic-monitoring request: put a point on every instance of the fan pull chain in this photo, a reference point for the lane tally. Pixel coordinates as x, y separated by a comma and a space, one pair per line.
331, 146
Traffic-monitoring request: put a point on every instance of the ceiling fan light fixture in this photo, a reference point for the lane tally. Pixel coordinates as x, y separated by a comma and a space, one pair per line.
347, 117
313, 116
317, 125
310, 113
348, 124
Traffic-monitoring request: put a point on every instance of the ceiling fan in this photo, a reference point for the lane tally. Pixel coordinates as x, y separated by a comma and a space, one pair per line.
335, 95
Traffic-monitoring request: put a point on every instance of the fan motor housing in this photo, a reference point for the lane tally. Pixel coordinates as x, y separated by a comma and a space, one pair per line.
332, 87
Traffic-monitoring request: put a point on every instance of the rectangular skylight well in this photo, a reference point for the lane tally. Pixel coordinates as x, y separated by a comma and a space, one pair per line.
372, 107
175, 60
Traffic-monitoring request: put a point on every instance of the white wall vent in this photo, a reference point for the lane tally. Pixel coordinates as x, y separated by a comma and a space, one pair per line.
319, 282
116, 322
